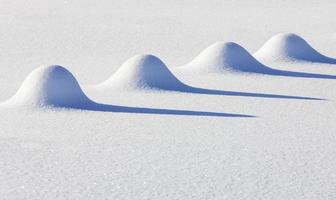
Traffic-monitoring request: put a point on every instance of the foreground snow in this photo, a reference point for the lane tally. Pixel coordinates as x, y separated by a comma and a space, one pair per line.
286, 152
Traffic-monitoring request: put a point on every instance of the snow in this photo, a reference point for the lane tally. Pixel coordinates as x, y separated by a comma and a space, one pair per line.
55, 87
49, 86
224, 57
230, 57
289, 47
142, 72
148, 73
230, 134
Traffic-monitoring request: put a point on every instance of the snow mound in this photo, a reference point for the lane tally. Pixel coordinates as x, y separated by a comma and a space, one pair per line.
224, 57
52, 86
290, 47
143, 72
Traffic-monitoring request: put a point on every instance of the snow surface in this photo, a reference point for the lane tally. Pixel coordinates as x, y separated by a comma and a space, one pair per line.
230, 57
148, 73
224, 57
54, 87
158, 144
290, 47
49, 86
142, 72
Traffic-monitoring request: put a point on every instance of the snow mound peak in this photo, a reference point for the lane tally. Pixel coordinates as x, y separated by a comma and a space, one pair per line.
223, 57
52, 86
143, 72
290, 47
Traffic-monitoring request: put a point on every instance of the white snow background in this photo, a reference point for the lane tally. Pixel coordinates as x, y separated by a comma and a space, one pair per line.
286, 151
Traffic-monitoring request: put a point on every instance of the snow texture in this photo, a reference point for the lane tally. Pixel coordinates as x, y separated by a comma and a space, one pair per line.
143, 72
49, 86
229, 57
241, 127
149, 73
290, 47
55, 87
224, 57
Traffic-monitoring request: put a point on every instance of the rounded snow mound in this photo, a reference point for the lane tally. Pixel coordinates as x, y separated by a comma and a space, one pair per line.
222, 57
51, 86
143, 72
290, 47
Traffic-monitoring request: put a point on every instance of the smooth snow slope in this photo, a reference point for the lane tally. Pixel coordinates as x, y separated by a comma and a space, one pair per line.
224, 57
143, 72
99, 37
229, 57
286, 152
149, 73
49, 86
290, 47
55, 87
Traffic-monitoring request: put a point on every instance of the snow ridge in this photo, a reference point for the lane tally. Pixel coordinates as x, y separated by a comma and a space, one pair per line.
224, 57
51, 86
55, 86
143, 72
290, 47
